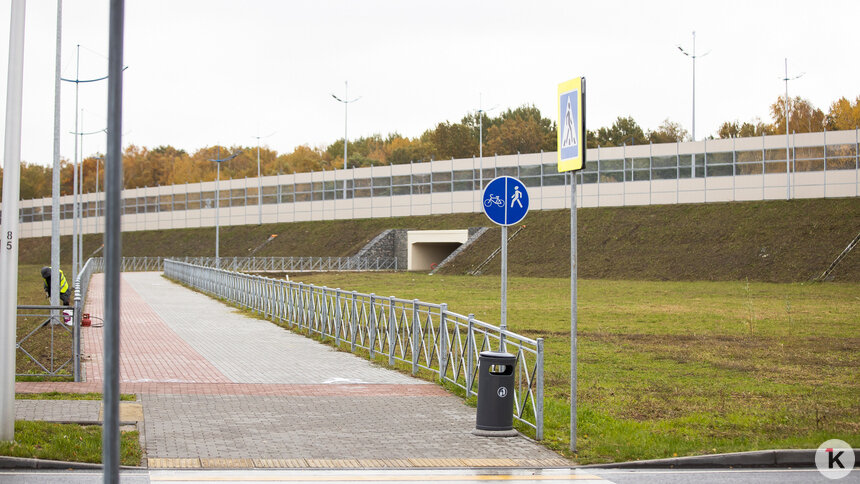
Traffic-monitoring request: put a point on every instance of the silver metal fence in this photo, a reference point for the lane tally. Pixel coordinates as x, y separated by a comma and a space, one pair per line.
421, 335
52, 319
45, 353
264, 264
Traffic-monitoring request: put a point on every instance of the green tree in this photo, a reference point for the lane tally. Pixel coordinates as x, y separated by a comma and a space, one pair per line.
623, 131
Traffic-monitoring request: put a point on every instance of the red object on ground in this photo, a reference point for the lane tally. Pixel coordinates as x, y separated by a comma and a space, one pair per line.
85, 320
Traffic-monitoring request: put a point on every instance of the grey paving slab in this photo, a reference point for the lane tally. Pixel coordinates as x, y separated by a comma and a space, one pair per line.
344, 427
58, 410
249, 350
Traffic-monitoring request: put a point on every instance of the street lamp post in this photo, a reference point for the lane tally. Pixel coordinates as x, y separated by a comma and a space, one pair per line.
77, 219
260, 179
346, 100
75, 236
218, 161
693, 56
787, 114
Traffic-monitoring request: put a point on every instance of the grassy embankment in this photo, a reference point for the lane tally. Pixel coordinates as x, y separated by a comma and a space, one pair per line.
674, 368
774, 241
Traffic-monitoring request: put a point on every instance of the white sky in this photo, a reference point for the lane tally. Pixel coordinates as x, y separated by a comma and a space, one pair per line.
218, 71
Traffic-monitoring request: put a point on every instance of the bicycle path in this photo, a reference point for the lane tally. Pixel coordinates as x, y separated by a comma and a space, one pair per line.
219, 389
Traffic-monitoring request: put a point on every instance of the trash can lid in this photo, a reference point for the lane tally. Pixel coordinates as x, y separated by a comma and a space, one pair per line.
497, 354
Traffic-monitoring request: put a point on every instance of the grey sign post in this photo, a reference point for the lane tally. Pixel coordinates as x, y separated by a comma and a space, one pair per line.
571, 157
506, 202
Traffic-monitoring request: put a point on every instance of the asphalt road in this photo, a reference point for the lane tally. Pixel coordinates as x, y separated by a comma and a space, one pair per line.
511, 476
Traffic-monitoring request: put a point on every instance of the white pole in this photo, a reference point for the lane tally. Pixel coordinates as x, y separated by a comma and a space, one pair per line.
11, 193
55, 187
345, 138
75, 174
787, 166
217, 208
259, 184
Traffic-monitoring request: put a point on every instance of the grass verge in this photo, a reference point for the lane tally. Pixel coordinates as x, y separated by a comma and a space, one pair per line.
674, 368
125, 397
68, 442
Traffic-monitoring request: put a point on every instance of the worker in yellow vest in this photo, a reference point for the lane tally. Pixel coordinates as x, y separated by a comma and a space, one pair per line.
64, 285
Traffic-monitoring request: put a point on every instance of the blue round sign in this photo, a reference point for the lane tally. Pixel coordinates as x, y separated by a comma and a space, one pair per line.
506, 200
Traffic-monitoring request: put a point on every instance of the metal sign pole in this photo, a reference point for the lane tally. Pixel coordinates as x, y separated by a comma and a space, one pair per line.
504, 316
113, 246
573, 280
55, 187
9, 249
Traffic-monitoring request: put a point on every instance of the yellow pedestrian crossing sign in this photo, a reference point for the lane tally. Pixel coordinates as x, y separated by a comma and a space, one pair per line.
571, 125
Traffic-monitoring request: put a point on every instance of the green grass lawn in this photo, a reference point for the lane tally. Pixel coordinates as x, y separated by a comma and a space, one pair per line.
67, 442
673, 368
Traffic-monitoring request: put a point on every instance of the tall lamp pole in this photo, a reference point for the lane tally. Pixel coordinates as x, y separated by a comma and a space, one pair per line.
346, 100
218, 161
259, 178
787, 114
693, 56
77, 80
77, 220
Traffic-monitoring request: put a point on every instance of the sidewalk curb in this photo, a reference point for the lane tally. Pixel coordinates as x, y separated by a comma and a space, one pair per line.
28, 463
756, 458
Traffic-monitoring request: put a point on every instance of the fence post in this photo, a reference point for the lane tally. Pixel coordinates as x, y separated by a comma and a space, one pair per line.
443, 341
539, 390
416, 341
352, 323
76, 333
301, 306
338, 318
470, 356
392, 333
372, 341
324, 313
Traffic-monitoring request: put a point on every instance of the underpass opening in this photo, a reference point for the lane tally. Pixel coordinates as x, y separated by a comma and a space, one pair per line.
426, 248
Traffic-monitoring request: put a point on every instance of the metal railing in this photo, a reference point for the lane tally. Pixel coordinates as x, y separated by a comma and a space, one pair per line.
424, 336
62, 323
49, 333
263, 264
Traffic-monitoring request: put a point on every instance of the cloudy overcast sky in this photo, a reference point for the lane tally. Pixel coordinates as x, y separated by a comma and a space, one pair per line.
217, 71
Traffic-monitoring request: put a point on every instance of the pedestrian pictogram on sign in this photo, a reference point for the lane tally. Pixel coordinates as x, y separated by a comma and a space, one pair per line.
571, 125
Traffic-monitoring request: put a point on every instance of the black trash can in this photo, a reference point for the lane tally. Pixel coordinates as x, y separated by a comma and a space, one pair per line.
495, 391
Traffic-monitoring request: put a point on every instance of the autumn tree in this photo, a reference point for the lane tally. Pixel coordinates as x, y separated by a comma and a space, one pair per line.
668, 132
734, 129
843, 114
803, 116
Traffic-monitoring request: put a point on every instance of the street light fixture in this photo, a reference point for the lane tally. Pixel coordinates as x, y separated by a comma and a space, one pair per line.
481, 113
218, 161
346, 101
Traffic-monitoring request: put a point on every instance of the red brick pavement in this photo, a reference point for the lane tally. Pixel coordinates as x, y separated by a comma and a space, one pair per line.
154, 359
149, 350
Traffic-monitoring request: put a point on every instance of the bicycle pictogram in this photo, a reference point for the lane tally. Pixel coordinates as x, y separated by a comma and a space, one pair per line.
494, 199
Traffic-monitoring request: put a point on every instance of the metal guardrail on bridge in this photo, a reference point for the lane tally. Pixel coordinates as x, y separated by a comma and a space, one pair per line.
265, 264
424, 336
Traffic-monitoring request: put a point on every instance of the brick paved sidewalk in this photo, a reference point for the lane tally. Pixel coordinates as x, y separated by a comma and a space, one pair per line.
220, 389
